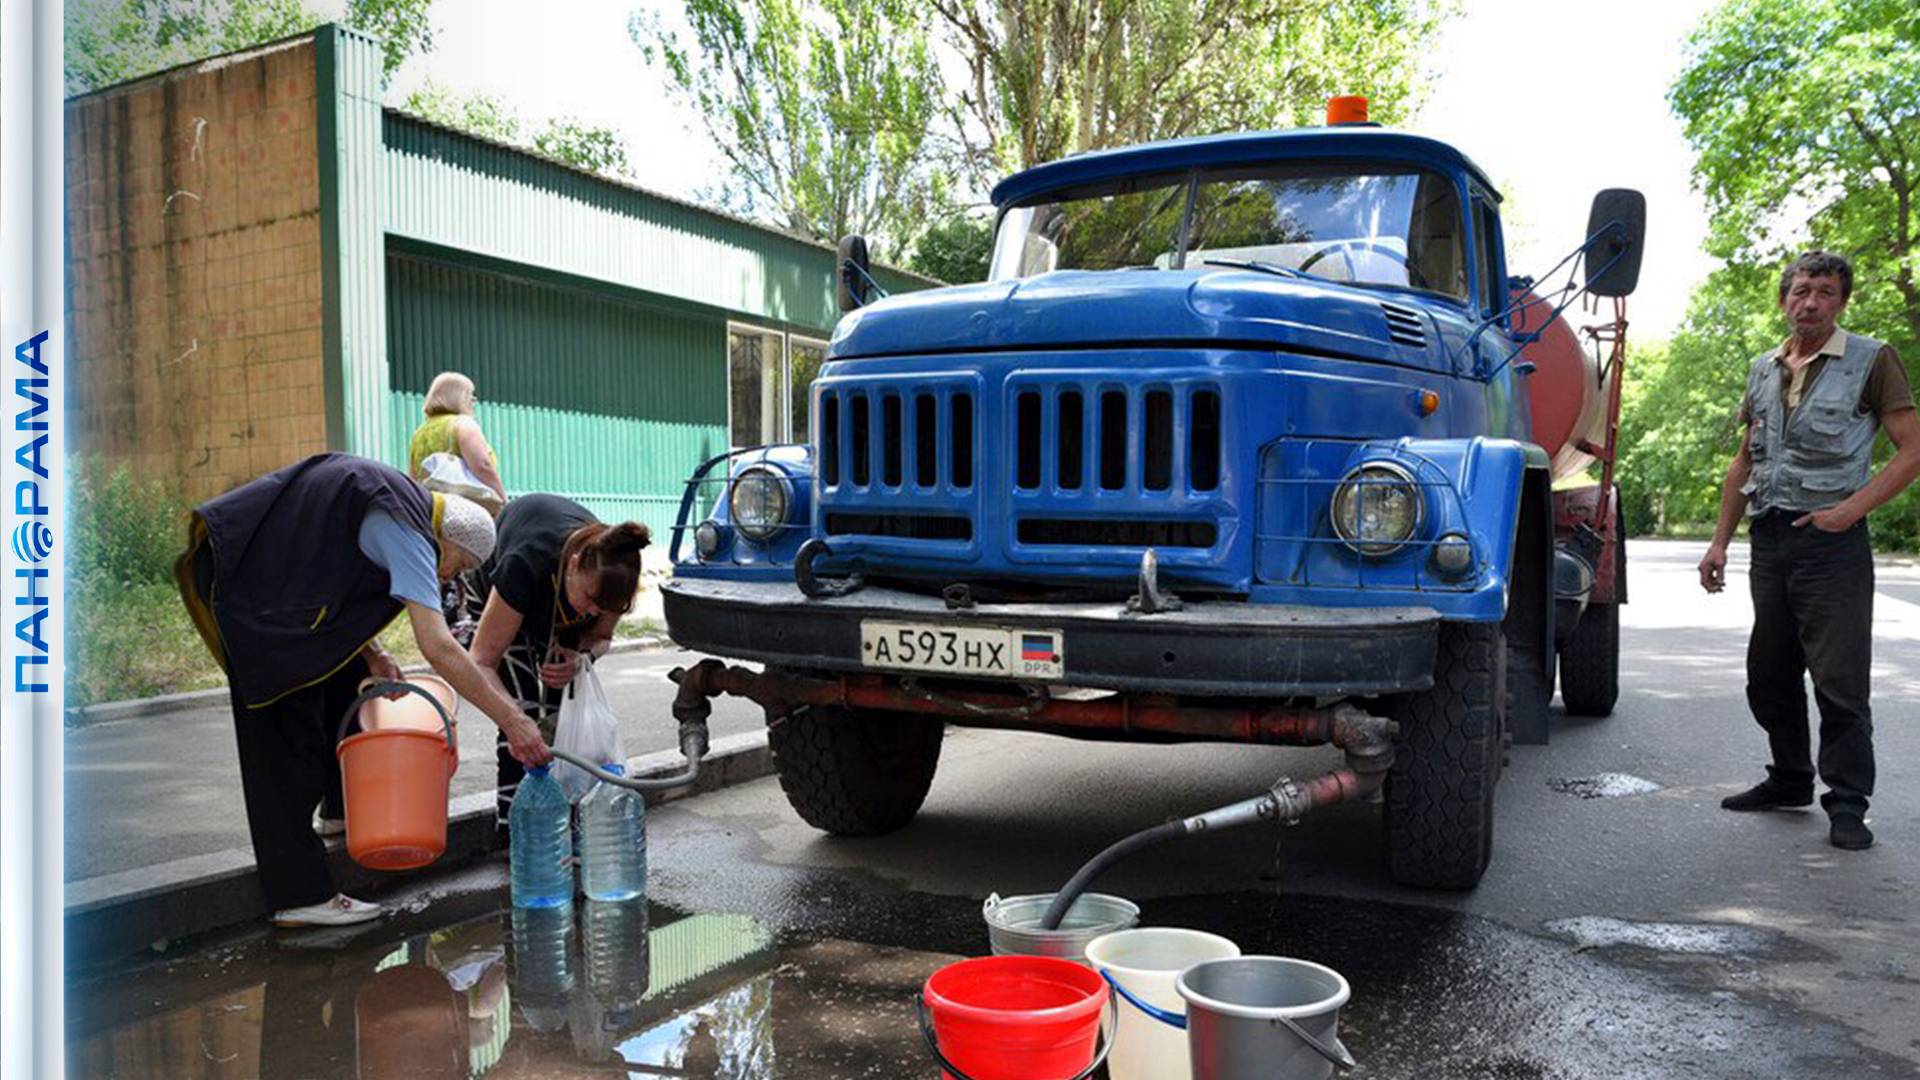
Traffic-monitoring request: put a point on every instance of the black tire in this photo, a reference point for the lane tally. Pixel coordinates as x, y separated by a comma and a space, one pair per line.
1440, 804
1590, 663
852, 772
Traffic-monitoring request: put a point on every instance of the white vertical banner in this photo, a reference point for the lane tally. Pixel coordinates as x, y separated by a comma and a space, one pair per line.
33, 544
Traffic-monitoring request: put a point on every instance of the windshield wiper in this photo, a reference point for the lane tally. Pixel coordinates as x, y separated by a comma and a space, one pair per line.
1264, 267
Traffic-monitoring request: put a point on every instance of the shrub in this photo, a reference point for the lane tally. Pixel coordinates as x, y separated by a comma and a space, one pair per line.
122, 529
127, 633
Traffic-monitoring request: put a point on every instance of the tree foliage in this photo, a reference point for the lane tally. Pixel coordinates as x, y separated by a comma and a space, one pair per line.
477, 114
1047, 78
834, 118
820, 107
955, 250
111, 41
583, 146
566, 139
1805, 116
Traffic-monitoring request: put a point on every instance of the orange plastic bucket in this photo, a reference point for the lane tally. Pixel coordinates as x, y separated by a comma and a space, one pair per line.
395, 782
413, 712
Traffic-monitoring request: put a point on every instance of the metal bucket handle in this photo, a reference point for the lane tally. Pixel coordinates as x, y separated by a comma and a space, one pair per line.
933, 1045
1336, 1053
370, 690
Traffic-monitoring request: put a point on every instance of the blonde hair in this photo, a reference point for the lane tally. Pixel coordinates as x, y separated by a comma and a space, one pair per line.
451, 392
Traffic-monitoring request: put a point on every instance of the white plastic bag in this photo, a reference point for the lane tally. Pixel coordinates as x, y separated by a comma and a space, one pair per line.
449, 473
587, 729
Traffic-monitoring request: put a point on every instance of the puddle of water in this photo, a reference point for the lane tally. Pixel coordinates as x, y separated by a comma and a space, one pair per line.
599, 989
812, 976
1610, 785
1710, 939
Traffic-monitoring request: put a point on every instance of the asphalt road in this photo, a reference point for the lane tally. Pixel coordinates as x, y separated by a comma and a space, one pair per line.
150, 790
1645, 935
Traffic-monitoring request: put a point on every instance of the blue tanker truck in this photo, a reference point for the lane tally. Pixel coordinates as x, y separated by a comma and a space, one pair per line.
1244, 436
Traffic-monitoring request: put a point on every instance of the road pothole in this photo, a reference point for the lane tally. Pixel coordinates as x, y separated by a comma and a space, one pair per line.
1611, 785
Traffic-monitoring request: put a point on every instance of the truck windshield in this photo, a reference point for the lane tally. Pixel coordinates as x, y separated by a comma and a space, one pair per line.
1397, 227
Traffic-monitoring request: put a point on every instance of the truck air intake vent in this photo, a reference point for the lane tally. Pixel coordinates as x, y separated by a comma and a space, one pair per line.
1165, 534
900, 526
1404, 326
1078, 438
895, 439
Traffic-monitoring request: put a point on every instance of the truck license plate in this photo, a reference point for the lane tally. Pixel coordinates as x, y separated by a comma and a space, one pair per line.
962, 650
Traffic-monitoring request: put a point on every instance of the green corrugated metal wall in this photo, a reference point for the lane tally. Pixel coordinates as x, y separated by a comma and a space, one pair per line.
609, 402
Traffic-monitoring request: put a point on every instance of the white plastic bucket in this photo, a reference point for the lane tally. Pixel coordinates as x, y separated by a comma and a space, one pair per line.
1146, 962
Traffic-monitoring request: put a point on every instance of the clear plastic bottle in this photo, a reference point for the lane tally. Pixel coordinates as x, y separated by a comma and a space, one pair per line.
613, 841
613, 935
540, 843
542, 964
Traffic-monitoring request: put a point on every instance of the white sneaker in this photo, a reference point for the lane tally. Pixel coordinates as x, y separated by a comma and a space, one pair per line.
342, 910
329, 826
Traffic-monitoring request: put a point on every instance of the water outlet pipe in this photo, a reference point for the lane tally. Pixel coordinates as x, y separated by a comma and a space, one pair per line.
1368, 742
692, 707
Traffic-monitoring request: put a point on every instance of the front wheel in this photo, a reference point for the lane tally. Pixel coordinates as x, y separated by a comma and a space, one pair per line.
855, 772
1440, 792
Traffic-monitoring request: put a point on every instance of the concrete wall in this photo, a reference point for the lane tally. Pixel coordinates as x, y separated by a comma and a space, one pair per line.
194, 285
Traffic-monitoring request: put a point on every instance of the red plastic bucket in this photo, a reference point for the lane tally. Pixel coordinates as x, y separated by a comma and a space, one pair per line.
1014, 1018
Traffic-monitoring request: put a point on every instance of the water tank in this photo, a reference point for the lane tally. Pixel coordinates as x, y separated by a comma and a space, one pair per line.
1569, 399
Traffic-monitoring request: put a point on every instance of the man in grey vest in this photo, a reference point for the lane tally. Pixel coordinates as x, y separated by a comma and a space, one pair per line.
1804, 477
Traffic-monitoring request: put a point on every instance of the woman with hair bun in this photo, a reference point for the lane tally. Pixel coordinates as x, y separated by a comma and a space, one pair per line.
558, 581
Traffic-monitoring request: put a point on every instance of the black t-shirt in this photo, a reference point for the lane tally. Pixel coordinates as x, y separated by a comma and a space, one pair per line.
525, 568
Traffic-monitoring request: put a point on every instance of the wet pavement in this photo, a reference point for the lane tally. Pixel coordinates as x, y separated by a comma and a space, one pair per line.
815, 978
1641, 932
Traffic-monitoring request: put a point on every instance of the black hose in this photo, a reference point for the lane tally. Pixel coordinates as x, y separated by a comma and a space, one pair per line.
1097, 865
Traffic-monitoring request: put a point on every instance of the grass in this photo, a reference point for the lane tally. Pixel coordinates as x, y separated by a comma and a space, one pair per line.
133, 640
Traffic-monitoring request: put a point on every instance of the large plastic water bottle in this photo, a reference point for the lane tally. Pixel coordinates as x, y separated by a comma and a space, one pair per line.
540, 845
613, 841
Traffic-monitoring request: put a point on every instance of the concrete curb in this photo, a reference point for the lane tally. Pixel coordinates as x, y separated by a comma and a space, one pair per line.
107, 712
118, 914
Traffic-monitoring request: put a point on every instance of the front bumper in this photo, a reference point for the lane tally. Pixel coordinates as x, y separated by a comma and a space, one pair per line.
1217, 648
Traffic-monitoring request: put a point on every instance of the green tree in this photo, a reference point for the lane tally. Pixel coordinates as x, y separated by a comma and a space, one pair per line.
595, 149
477, 114
1052, 77
580, 145
1680, 406
111, 41
955, 250
1806, 118
820, 107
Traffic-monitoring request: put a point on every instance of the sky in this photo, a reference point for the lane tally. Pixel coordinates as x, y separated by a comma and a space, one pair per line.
1551, 101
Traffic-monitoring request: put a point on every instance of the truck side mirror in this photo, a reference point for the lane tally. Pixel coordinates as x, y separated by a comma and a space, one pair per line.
852, 273
1618, 229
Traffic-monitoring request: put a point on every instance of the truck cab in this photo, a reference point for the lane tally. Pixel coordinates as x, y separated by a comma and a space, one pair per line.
1239, 427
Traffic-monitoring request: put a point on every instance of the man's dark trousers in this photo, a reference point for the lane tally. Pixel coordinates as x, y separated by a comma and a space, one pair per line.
1813, 613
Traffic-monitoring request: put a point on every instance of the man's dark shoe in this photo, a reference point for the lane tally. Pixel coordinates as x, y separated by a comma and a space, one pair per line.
1849, 832
1764, 796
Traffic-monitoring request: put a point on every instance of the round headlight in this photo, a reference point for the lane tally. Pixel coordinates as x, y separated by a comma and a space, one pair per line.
706, 539
1377, 508
759, 502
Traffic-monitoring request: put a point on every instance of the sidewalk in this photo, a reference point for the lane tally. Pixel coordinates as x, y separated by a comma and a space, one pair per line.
156, 836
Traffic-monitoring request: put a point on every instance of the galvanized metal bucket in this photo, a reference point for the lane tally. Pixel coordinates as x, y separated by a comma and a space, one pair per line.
1013, 924
1264, 1018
